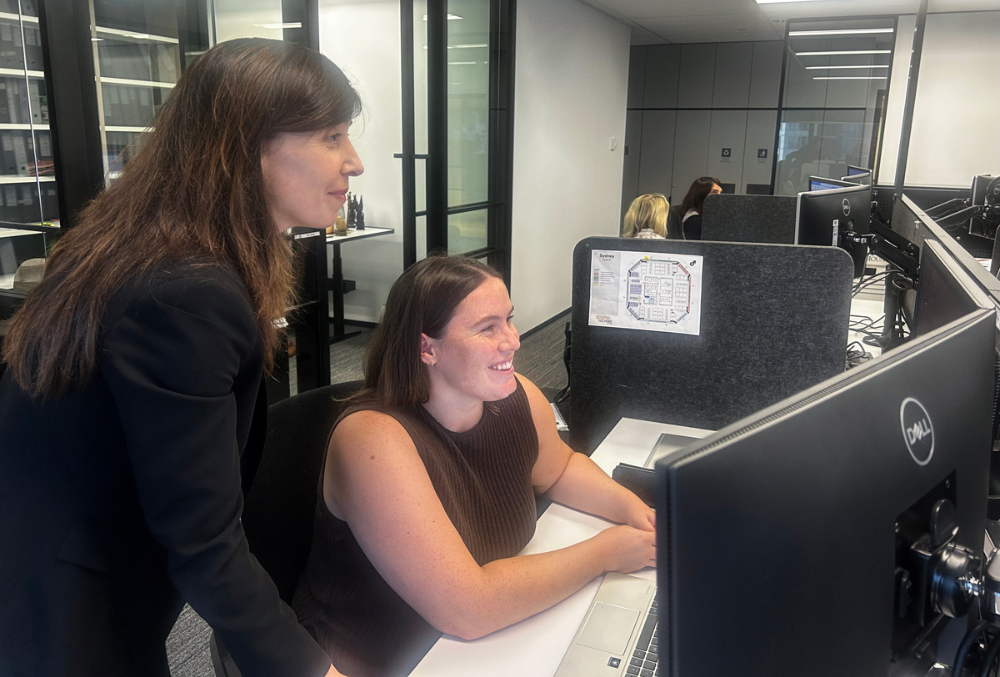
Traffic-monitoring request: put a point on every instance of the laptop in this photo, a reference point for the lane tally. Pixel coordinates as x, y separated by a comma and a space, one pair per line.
618, 635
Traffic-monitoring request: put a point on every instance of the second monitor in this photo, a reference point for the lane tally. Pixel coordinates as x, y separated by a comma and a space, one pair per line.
833, 218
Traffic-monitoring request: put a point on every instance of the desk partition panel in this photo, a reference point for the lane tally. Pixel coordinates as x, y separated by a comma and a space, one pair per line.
767, 219
773, 321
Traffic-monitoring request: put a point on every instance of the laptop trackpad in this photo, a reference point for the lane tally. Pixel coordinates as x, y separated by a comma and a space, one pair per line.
609, 628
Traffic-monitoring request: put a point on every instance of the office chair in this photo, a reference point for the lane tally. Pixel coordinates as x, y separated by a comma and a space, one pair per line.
280, 509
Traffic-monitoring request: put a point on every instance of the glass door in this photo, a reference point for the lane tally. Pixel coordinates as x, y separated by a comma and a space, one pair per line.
457, 128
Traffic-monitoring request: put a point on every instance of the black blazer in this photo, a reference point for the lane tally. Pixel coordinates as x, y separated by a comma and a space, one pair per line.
122, 499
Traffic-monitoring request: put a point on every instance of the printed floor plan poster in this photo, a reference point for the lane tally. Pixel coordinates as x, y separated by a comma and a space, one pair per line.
646, 290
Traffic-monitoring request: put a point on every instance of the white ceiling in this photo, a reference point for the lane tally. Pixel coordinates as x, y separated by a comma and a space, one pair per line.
666, 21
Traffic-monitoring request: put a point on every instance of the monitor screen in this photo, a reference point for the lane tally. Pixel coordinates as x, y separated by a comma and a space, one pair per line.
853, 170
781, 538
825, 217
822, 183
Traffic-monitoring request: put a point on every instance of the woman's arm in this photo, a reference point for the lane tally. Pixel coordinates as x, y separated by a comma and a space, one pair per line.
573, 479
376, 481
171, 363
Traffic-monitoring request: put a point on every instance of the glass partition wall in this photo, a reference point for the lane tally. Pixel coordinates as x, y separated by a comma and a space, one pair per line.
836, 80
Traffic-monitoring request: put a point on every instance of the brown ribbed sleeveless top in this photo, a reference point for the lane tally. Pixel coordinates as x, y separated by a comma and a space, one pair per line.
483, 478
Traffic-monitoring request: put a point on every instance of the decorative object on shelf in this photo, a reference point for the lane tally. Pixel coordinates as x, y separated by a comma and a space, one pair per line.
359, 221
340, 227
352, 211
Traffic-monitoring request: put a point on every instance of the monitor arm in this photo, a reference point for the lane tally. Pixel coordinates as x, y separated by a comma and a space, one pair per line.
901, 253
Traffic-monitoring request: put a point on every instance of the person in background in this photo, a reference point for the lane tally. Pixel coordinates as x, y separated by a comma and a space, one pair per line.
132, 411
647, 217
692, 204
428, 492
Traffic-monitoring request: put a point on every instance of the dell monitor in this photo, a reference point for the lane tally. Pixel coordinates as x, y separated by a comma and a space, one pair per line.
822, 183
799, 541
853, 170
862, 179
832, 217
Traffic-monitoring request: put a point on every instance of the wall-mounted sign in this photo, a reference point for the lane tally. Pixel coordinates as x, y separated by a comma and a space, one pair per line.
727, 152
762, 153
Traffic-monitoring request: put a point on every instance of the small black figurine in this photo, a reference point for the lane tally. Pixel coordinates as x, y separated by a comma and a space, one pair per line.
352, 211
360, 214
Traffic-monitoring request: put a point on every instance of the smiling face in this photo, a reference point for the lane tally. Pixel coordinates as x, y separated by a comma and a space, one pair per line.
307, 175
472, 361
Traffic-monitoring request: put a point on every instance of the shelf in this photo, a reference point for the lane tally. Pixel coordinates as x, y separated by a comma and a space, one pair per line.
133, 36
129, 130
25, 126
23, 17
20, 74
138, 83
25, 179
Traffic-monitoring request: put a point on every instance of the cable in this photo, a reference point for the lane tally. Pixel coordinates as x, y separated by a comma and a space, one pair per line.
989, 658
970, 638
856, 355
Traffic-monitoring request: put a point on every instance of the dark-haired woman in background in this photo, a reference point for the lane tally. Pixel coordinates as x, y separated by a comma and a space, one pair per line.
130, 412
692, 204
429, 487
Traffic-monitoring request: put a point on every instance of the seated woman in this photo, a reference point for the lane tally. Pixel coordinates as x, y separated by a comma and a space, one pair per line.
692, 204
429, 487
647, 218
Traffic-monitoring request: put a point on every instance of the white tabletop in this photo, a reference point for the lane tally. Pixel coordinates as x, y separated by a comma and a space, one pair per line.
534, 647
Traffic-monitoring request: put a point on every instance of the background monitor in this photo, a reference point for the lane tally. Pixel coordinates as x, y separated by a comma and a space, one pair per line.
728, 188
780, 538
862, 179
853, 170
979, 184
825, 217
823, 183
758, 189
944, 293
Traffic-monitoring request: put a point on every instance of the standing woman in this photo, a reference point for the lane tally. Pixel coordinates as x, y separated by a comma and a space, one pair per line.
131, 411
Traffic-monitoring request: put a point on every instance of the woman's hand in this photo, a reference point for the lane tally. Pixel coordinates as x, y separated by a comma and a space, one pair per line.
333, 672
642, 517
628, 549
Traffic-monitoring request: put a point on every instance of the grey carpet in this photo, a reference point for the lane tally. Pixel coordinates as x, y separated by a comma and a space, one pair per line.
539, 360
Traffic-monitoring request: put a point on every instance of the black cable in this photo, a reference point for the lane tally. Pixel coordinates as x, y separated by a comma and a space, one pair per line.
970, 638
989, 658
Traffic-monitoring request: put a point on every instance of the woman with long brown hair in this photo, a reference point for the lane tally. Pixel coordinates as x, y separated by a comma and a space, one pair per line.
428, 493
130, 411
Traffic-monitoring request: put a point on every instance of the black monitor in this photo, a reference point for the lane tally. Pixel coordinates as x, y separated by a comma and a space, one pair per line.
862, 179
979, 184
825, 217
784, 540
945, 291
854, 170
823, 183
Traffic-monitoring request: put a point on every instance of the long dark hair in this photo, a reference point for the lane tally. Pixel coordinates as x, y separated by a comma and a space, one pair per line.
422, 301
193, 190
699, 190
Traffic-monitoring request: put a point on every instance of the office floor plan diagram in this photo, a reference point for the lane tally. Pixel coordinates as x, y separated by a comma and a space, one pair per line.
646, 290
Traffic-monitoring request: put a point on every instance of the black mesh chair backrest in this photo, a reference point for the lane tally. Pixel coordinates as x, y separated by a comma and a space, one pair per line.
279, 512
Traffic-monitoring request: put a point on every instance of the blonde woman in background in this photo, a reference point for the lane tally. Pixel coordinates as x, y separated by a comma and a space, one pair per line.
647, 218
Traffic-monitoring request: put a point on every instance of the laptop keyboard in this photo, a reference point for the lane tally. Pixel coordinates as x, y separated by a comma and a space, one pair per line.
646, 654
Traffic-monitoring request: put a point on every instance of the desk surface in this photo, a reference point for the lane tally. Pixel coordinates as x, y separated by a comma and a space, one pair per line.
534, 647
369, 231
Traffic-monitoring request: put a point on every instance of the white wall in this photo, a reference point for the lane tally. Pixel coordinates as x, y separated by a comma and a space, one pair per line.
571, 79
955, 119
362, 37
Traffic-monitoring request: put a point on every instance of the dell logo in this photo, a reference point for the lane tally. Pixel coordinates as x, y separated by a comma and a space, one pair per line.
847, 207
918, 431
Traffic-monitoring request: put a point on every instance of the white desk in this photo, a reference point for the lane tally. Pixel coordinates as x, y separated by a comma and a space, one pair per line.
534, 647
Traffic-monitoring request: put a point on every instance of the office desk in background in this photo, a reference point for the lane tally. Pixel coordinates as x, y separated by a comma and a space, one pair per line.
337, 275
534, 647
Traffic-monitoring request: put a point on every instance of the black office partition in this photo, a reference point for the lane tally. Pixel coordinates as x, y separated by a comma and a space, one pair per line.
773, 322
767, 219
